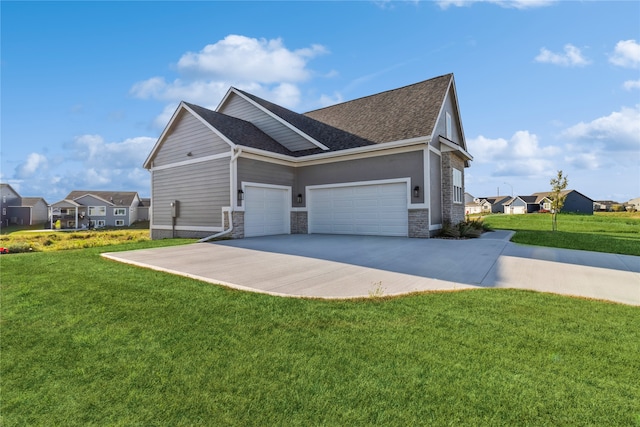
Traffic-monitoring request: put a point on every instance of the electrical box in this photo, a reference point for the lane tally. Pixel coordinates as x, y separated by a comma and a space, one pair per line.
175, 208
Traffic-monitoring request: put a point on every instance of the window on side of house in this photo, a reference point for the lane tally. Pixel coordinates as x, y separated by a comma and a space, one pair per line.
97, 211
120, 211
457, 186
119, 222
448, 126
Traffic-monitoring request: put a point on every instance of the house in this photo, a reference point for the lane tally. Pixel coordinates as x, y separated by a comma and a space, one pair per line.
491, 204
20, 210
144, 208
522, 204
604, 205
633, 204
574, 201
387, 164
96, 209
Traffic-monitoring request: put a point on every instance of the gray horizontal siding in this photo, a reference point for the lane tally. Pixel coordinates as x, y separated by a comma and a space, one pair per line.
401, 165
202, 190
435, 181
266, 173
242, 109
189, 135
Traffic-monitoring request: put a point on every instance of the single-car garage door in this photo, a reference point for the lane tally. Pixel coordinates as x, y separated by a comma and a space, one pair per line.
266, 211
376, 209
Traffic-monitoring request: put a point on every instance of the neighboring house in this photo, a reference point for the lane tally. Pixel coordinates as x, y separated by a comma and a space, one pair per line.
96, 209
634, 204
386, 164
574, 201
492, 204
143, 209
20, 210
521, 205
603, 205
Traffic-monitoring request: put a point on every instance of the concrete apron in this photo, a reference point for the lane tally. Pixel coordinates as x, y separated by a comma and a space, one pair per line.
329, 266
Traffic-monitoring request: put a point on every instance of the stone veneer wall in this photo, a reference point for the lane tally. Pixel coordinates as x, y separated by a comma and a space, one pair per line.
419, 223
451, 212
238, 224
299, 222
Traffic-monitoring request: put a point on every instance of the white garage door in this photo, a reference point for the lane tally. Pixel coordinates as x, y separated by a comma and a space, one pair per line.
377, 209
266, 211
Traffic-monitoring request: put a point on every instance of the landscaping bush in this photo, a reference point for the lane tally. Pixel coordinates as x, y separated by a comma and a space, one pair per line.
468, 229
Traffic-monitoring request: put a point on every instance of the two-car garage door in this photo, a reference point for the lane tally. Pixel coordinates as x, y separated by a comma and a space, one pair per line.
376, 209
373, 209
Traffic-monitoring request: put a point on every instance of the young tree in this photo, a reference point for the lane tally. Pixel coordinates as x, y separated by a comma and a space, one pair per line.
558, 185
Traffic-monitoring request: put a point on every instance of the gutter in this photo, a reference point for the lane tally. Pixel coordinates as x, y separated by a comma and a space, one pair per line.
229, 211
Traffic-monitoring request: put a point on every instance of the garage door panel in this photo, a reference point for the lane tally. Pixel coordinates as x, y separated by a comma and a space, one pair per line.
377, 209
266, 211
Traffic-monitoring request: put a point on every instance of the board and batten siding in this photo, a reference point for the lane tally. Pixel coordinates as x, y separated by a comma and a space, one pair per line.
202, 190
441, 125
189, 135
242, 109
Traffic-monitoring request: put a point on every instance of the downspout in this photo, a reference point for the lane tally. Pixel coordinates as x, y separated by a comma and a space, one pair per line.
229, 212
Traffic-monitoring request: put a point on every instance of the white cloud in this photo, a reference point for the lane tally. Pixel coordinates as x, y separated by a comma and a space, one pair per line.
35, 163
631, 84
626, 54
240, 58
572, 57
514, 4
521, 155
266, 68
620, 130
95, 153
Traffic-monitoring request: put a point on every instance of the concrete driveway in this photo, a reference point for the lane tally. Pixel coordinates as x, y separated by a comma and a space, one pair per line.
332, 266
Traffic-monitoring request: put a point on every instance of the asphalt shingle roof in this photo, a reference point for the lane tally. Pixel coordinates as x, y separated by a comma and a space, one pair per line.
399, 114
332, 137
118, 198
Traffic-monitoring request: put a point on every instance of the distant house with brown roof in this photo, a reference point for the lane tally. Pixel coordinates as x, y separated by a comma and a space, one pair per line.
95, 209
386, 164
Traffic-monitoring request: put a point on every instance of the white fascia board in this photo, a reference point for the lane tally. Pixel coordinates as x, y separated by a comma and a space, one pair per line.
337, 155
452, 85
451, 146
192, 161
156, 147
281, 120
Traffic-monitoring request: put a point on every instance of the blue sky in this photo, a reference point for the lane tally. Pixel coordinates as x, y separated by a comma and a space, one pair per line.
87, 87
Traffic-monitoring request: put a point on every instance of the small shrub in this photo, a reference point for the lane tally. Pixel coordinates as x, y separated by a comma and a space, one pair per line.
20, 247
469, 229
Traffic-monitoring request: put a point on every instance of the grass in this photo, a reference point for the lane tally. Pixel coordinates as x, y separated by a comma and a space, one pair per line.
48, 240
617, 233
88, 341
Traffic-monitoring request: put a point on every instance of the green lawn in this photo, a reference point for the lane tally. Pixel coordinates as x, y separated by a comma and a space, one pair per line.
88, 341
606, 232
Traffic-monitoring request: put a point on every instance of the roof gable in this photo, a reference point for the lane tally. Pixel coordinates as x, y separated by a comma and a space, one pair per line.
269, 118
415, 110
114, 198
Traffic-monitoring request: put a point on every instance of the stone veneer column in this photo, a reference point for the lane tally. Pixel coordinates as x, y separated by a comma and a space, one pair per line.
452, 213
238, 225
419, 223
299, 224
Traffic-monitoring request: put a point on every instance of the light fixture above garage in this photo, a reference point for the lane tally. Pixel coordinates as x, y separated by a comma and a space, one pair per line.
299, 198
416, 191
240, 195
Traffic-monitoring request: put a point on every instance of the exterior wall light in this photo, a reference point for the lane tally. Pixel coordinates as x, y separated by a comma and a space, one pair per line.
240, 195
416, 191
299, 198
